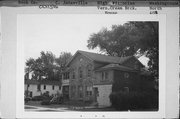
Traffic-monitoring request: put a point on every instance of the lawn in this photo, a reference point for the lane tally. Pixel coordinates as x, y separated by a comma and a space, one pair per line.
71, 105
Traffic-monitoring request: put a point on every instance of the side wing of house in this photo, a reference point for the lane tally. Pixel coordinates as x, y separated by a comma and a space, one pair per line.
134, 63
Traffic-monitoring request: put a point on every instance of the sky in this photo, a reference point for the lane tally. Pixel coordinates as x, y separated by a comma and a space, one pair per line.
61, 32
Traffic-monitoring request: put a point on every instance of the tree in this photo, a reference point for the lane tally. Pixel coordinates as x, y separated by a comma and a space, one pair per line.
47, 66
132, 38
63, 59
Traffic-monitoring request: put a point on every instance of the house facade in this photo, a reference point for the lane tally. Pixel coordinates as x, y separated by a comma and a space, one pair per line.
90, 76
37, 87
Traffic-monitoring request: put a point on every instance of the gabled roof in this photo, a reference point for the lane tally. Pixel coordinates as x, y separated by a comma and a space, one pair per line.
117, 67
101, 58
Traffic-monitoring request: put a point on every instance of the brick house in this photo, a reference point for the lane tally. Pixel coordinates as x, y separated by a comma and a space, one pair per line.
89, 76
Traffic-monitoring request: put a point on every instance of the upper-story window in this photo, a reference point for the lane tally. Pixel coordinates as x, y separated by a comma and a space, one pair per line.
80, 72
60, 76
89, 70
73, 74
126, 75
66, 75
104, 75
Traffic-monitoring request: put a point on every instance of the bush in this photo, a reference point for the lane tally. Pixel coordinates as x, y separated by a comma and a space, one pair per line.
134, 100
37, 98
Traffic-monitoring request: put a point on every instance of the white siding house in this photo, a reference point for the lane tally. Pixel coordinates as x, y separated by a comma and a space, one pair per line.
36, 88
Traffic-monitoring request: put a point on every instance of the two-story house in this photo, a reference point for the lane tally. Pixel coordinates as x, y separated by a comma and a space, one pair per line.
90, 76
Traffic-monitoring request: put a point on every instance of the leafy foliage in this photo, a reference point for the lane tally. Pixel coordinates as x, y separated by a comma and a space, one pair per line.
134, 100
47, 66
132, 38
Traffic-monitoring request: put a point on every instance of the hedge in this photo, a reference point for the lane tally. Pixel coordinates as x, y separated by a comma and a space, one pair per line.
134, 100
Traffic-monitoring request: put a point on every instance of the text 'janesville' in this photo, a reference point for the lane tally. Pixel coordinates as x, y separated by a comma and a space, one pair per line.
56, 3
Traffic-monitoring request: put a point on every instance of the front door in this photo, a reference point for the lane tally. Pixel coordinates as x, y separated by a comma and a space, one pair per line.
31, 94
96, 93
80, 92
65, 91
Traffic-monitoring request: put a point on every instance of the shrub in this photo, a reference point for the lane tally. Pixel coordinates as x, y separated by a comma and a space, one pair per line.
134, 100
37, 98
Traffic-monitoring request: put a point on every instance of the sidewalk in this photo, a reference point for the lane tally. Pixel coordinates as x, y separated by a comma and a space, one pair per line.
39, 109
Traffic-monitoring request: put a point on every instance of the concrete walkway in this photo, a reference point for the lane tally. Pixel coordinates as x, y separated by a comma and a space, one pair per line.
41, 109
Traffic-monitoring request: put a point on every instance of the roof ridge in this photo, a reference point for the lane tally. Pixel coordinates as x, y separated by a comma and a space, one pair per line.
100, 57
103, 54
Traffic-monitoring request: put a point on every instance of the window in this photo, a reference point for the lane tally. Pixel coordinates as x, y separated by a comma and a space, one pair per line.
31, 94
38, 87
89, 68
60, 76
64, 76
104, 75
126, 75
44, 87
67, 75
53, 87
73, 74
88, 90
80, 90
80, 72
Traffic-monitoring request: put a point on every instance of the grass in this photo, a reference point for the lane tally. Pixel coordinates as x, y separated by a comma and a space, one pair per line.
71, 105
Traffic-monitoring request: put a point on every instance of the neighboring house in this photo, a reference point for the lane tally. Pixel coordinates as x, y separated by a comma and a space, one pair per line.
38, 87
90, 76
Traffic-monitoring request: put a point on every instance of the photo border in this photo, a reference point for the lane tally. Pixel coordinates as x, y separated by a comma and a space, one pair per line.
21, 113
